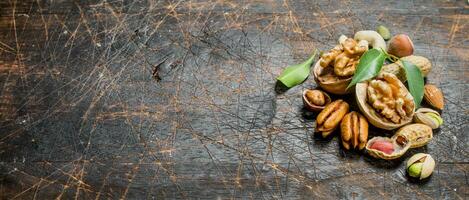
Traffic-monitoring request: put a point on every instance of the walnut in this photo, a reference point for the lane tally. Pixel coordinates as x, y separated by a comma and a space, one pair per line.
344, 57
388, 99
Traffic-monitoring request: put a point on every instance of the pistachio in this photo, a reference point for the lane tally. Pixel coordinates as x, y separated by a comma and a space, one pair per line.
415, 169
420, 165
434, 96
429, 117
354, 131
384, 32
329, 118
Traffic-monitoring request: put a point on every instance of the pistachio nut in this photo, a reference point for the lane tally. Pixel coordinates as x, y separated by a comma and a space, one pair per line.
384, 32
329, 118
429, 117
416, 134
354, 131
420, 165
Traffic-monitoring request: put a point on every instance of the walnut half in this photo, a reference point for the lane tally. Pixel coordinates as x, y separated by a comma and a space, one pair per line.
344, 57
387, 97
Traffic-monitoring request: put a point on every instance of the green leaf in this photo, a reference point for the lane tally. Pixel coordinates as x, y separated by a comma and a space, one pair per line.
369, 66
296, 74
415, 81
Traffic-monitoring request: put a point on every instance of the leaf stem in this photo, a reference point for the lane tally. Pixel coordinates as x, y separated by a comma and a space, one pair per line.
311, 58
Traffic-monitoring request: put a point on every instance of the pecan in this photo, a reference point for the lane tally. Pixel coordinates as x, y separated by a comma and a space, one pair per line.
329, 118
354, 131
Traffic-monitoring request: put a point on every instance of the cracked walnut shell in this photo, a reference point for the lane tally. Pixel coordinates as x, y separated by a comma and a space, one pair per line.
354, 131
385, 101
334, 70
329, 118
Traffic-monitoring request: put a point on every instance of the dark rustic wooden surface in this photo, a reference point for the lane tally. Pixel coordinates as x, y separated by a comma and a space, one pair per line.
85, 115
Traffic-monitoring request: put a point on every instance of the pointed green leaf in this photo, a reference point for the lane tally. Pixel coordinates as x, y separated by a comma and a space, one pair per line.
296, 74
415, 81
369, 66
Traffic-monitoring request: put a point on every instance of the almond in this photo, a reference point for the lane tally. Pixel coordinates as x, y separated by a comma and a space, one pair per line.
434, 96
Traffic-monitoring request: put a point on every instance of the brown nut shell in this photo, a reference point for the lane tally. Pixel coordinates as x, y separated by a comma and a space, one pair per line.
370, 113
333, 85
354, 131
397, 69
312, 100
399, 150
434, 96
328, 119
401, 45
417, 135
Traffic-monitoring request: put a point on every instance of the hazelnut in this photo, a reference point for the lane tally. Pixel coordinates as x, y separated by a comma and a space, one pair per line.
400, 46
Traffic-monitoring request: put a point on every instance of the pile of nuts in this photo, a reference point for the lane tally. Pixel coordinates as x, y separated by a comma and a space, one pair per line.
384, 101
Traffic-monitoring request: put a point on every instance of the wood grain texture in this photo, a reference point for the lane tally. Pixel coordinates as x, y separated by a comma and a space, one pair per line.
150, 99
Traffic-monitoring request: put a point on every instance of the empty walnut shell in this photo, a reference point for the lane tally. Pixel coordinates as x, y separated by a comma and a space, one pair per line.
417, 135
330, 82
373, 117
315, 100
397, 151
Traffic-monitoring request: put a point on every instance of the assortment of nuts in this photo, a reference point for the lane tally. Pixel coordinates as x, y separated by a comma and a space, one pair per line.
384, 101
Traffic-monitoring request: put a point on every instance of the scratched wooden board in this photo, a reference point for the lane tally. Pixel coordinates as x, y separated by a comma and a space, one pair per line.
177, 99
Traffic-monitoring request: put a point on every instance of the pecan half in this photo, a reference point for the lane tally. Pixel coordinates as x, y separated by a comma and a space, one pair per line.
354, 131
329, 118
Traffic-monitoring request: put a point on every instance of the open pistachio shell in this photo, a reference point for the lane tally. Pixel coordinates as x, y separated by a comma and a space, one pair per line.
428, 164
311, 106
333, 85
417, 135
429, 117
373, 117
399, 150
